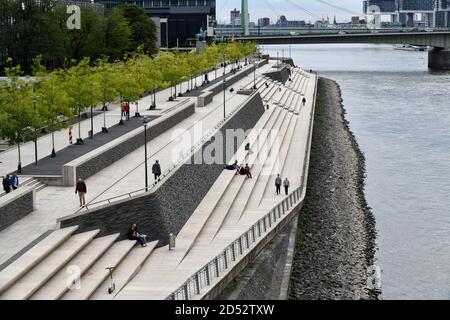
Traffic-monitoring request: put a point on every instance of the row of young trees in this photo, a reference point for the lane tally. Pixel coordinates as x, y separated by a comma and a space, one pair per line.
30, 105
29, 28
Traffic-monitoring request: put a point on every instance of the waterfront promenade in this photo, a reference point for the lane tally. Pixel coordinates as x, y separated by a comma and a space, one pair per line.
280, 144
54, 202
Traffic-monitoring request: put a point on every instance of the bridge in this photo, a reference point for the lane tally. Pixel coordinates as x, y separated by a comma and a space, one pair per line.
437, 39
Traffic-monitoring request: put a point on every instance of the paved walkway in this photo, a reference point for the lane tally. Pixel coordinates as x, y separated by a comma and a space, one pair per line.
53, 166
55, 202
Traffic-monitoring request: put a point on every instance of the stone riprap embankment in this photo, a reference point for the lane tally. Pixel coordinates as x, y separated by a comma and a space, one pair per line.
336, 237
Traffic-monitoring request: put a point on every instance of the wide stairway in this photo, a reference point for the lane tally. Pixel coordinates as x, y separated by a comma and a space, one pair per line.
74, 266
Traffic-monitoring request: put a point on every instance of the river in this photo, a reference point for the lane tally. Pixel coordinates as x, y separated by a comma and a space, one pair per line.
399, 112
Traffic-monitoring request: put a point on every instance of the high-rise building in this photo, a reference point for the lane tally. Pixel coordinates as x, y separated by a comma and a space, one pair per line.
384, 5
177, 21
263, 22
235, 17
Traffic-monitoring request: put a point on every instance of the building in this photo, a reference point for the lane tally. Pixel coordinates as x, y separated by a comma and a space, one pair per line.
384, 5
235, 17
355, 20
263, 22
177, 21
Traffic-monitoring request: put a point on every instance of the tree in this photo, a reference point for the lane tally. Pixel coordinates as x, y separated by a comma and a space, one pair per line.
17, 107
118, 32
143, 28
53, 105
107, 77
82, 89
87, 41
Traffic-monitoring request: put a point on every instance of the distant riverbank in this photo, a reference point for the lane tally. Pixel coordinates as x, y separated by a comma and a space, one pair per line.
336, 234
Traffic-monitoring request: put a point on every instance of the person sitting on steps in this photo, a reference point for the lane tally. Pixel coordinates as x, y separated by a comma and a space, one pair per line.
133, 234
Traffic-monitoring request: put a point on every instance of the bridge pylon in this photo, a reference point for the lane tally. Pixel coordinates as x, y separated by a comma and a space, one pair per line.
245, 19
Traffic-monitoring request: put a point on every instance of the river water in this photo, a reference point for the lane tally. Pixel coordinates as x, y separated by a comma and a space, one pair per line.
399, 112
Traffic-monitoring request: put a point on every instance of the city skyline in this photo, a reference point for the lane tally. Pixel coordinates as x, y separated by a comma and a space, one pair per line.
272, 9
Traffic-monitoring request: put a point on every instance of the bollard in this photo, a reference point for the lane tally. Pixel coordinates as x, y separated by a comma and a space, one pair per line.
172, 241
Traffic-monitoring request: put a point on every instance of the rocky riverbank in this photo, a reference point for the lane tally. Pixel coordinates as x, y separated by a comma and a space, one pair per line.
336, 233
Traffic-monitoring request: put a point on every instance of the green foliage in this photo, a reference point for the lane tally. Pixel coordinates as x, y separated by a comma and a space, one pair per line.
17, 108
40, 28
142, 27
29, 104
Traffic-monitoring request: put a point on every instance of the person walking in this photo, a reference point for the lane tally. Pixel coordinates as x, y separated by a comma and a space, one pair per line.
127, 110
286, 184
248, 172
6, 184
81, 189
304, 101
133, 234
14, 181
156, 170
278, 184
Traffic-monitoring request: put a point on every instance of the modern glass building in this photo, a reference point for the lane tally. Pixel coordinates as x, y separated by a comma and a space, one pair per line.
178, 21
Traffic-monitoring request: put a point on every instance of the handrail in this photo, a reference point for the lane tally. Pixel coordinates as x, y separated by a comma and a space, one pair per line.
205, 276
210, 133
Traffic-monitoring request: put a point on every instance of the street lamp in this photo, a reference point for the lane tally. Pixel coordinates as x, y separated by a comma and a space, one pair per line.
35, 132
145, 122
254, 74
224, 86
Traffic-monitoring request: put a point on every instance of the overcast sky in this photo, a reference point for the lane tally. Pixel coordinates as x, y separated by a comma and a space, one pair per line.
292, 9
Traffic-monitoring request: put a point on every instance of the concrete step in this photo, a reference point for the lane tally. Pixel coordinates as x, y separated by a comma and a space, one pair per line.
55, 287
96, 274
240, 201
268, 180
126, 270
37, 276
188, 235
32, 257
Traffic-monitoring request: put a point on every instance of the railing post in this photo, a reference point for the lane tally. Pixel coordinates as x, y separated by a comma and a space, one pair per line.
274, 215
208, 277
254, 234
270, 220
259, 228
197, 283
247, 240
216, 261
186, 292
225, 259
240, 245
233, 253
264, 224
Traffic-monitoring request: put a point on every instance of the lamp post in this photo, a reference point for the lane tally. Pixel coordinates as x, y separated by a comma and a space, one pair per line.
145, 122
224, 87
92, 115
254, 74
35, 132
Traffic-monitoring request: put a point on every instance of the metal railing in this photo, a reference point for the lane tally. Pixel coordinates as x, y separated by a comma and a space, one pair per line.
185, 156
204, 277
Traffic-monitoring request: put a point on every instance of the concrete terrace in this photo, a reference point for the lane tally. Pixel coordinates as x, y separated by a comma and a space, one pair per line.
280, 141
54, 202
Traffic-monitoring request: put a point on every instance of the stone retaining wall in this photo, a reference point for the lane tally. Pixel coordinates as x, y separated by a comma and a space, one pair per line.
88, 168
171, 205
16, 205
281, 75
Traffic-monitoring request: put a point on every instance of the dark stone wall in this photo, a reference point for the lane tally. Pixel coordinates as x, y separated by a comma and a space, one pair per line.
168, 208
94, 165
16, 209
281, 75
